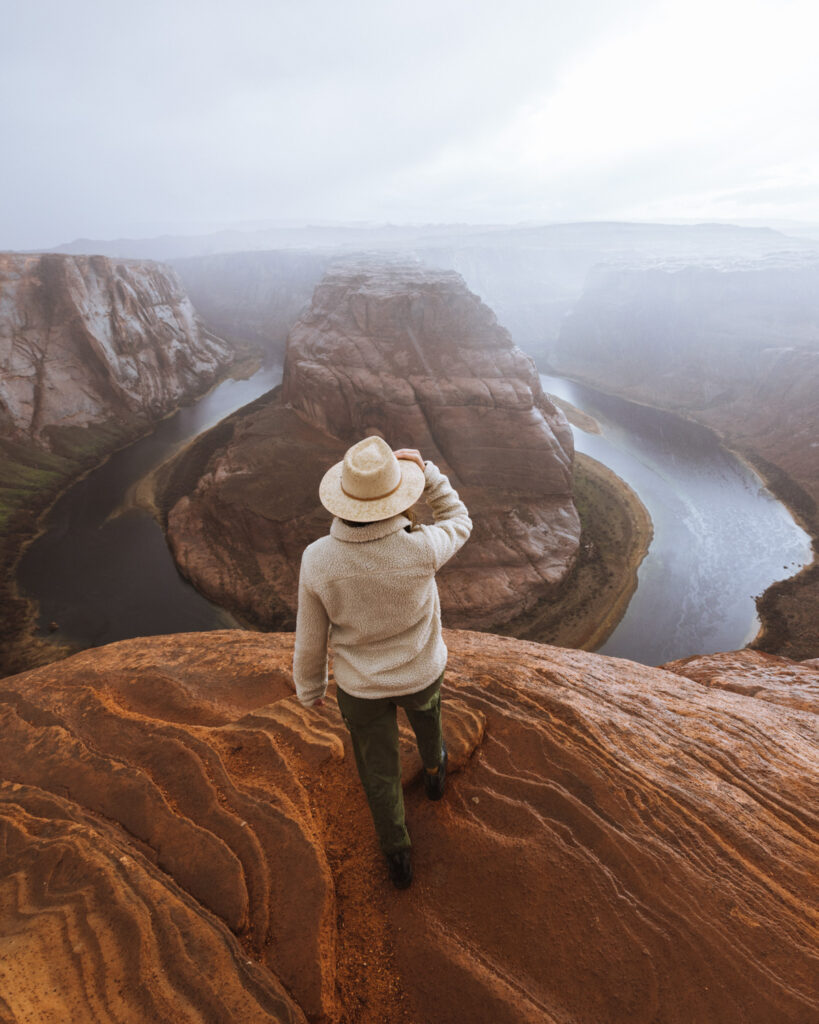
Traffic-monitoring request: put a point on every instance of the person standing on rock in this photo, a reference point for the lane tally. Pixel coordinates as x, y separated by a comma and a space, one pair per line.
368, 588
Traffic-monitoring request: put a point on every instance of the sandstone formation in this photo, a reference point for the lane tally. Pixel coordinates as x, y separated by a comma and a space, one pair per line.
736, 347
412, 355
84, 340
181, 841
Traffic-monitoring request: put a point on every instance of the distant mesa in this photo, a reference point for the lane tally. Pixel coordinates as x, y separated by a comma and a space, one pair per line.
617, 843
411, 354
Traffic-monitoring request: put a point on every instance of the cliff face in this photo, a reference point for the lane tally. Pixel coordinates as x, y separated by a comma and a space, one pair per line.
412, 355
736, 347
85, 340
254, 297
617, 843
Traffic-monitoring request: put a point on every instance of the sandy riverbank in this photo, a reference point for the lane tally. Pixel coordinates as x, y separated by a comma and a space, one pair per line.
617, 532
788, 609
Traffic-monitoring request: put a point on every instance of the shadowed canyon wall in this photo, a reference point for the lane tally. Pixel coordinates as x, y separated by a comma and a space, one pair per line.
253, 297
412, 355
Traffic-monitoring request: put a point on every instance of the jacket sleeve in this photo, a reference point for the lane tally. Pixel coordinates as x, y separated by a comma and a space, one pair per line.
452, 523
310, 655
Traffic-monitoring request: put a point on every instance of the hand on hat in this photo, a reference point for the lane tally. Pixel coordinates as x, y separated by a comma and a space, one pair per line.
411, 455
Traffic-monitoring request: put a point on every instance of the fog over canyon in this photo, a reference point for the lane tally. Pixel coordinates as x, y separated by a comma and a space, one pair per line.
628, 411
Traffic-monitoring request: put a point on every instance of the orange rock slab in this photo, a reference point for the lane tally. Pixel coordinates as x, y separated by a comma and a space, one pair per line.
181, 841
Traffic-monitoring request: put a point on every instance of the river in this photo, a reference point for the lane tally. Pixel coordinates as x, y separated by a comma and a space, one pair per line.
720, 537
102, 574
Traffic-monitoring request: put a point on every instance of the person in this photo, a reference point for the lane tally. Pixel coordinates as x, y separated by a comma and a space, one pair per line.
368, 589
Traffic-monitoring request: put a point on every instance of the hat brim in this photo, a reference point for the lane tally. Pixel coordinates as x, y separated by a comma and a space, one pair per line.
340, 504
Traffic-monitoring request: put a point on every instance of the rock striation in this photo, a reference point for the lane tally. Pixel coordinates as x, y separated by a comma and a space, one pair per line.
412, 355
617, 843
85, 340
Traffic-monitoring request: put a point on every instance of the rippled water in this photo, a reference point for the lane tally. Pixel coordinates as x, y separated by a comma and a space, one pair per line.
720, 538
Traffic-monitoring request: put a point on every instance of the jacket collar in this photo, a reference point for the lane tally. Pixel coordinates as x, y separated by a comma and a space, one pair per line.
373, 531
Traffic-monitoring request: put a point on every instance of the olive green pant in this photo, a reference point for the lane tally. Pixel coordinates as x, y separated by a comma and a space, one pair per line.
373, 725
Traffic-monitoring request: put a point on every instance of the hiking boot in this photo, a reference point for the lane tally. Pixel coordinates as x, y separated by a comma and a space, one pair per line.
434, 782
400, 868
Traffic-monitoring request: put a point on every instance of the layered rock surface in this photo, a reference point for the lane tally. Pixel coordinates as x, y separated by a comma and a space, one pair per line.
84, 340
617, 843
412, 355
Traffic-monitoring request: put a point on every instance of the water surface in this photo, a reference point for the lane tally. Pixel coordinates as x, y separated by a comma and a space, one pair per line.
720, 537
102, 576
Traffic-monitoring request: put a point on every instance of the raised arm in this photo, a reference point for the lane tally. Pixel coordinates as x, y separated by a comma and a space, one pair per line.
310, 655
452, 523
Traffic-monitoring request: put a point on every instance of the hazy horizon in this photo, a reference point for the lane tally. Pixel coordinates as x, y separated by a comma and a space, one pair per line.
134, 122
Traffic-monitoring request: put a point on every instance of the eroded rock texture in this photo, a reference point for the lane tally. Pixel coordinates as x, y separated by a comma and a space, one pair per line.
410, 354
181, 841
85, 340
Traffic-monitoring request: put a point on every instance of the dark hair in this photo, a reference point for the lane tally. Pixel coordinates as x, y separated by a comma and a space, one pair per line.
409, 513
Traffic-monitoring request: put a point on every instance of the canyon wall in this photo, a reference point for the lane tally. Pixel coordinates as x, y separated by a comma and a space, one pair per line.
253, 297
736, 347
412, 355
531, 276
616, 844
92, 353
85, 340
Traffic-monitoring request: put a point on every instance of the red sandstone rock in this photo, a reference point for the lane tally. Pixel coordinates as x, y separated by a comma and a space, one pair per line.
794, 683
617, 843
412, 355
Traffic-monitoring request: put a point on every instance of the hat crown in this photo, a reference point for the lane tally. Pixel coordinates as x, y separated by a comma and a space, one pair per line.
370, 470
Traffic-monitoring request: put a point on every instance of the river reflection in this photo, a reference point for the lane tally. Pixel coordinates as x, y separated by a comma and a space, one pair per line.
720, 538
103, 577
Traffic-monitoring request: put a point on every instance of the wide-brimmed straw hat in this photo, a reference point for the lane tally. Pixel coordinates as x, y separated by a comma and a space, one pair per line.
370, 483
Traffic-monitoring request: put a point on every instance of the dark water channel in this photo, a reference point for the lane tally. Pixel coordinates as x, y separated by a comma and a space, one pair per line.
720, 538
103, 574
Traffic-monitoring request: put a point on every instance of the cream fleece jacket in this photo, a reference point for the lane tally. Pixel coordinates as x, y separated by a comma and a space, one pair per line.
369, 592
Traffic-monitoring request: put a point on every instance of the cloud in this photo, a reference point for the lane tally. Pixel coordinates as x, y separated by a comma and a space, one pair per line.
130, 119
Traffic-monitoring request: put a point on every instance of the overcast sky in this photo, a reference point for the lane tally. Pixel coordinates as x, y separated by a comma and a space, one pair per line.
126, 118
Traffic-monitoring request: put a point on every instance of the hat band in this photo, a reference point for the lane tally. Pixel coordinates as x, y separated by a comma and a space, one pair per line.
377, 497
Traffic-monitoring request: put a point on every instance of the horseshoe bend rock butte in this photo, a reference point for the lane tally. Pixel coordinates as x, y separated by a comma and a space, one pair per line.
413, 355
181, 841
